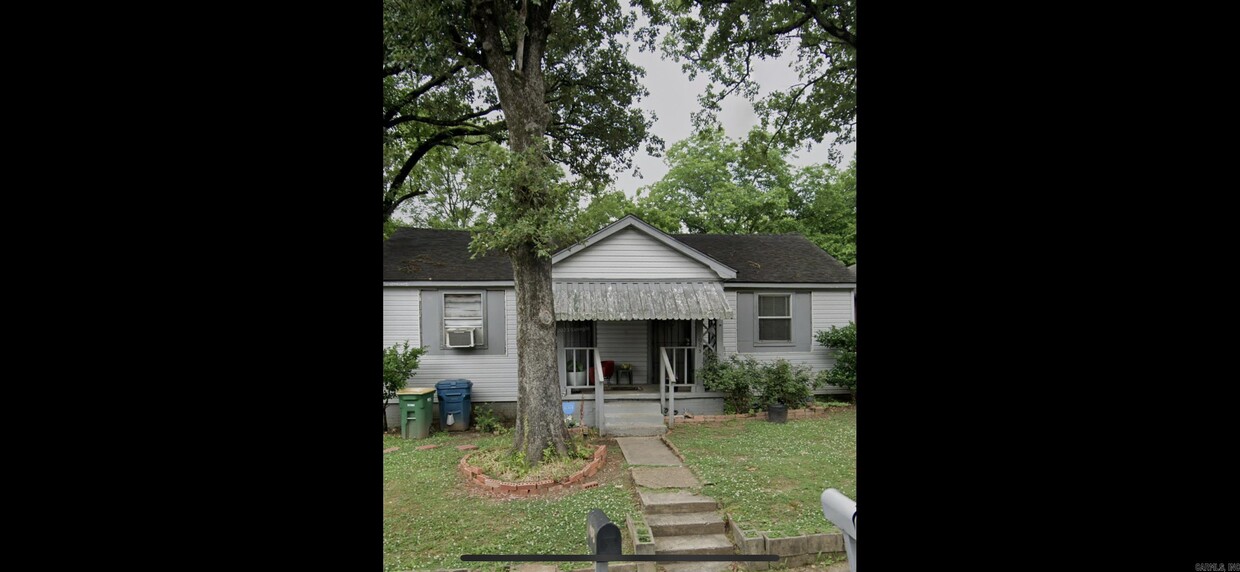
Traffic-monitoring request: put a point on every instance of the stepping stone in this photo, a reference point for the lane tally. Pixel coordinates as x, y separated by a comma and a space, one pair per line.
647, 451
466, 447
391, 449
665, 477
675, 502
426, 447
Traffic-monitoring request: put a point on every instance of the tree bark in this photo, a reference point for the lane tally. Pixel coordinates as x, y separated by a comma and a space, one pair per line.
540, 422
522, 97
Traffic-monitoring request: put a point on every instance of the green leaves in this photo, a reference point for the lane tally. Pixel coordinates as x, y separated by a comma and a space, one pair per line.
725, 38
844, 343
399, 363
718, 185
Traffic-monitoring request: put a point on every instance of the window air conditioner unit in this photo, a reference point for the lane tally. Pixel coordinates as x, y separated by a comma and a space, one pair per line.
461, 338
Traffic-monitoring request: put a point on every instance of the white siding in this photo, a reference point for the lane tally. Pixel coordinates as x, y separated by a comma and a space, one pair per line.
729, 327
829, 308
631, 255
494, 376
401, 316
624, 342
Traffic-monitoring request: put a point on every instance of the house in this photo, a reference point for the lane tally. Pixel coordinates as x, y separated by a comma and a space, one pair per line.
629, 294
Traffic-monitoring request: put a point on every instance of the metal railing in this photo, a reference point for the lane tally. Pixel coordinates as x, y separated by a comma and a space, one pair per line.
673, 373
580, 355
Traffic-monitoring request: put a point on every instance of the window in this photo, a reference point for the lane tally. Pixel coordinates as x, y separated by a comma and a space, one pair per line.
464, 320
774, 318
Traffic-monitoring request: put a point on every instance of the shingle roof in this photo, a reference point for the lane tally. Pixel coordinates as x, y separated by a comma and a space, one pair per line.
431, 254
784, 258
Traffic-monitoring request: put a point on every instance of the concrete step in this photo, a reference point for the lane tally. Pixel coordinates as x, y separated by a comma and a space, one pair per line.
685, 523
675, 502
634, 429
634, 418
694, 544
650, 408
696, 566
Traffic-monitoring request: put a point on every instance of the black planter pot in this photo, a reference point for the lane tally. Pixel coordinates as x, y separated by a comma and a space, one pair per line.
777, 413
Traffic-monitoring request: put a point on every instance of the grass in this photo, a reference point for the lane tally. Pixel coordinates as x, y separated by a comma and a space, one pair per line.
770, 476
430, 518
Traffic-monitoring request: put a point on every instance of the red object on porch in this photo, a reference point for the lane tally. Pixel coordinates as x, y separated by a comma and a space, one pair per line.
609, 366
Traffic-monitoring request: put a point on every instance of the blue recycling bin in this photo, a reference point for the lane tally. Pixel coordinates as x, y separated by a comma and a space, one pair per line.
454, 403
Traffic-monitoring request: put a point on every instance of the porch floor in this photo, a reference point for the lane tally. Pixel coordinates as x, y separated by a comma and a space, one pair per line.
640, 391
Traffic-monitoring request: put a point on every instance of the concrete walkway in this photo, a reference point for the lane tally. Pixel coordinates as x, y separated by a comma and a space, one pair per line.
647, 451
680, 520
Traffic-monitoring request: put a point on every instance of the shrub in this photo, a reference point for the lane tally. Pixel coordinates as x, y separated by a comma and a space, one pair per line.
781, 382
844, 343
486, 420
735, 377
398, 365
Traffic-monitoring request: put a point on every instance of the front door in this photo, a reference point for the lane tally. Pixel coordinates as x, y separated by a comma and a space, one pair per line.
674, 333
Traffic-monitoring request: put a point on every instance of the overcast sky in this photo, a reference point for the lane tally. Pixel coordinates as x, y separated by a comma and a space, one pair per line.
674, 98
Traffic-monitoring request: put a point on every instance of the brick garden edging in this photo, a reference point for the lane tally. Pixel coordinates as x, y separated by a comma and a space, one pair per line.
792, 550
529, 488
803, 413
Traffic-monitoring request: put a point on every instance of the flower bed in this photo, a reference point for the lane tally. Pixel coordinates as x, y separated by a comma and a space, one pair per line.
494, 486
803, 413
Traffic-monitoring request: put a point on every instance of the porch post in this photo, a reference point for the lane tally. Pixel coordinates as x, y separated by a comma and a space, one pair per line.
599, 382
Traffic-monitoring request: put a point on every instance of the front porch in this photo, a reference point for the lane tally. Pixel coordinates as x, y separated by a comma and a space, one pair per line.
656, 331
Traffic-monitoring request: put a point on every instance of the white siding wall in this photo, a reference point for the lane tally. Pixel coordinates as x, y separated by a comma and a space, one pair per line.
728, 336
624, 342
830, 308
631, 255
401, 314
494, 376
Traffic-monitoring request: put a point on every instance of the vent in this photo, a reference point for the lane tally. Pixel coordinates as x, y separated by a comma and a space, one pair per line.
461, 338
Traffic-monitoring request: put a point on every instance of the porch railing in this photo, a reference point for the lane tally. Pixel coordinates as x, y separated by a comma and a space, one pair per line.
673, 372
586, 355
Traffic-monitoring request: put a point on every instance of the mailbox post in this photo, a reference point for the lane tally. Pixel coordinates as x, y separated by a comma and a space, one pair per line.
842, 512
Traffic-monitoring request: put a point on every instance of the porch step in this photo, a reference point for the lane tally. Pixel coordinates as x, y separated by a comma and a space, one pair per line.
633, 419
634, 430
695, 544
680, 501
685, 523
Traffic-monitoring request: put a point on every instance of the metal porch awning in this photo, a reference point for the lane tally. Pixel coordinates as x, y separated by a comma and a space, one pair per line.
640, 301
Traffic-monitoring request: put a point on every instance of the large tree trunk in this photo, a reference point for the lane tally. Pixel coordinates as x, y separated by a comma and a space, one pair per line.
522, 97
540, 422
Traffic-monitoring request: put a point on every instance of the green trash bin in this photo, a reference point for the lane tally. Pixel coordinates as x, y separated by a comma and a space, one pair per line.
415, 412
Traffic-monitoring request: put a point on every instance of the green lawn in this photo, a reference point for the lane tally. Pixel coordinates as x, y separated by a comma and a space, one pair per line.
429, 519
770, 476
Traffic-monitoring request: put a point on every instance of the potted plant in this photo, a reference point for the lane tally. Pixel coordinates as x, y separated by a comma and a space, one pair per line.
576, 373
782, 386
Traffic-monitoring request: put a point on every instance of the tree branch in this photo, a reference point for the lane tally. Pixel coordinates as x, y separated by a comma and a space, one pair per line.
829, 26
463, 47
422, 149
417, 92
461, 121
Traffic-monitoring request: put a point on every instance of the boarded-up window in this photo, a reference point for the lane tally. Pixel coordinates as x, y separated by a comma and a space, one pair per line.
774, 317
461, 313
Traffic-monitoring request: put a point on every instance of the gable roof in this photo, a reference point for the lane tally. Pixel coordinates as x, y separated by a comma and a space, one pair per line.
724, 271
424, 254
442, 255
783, 258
